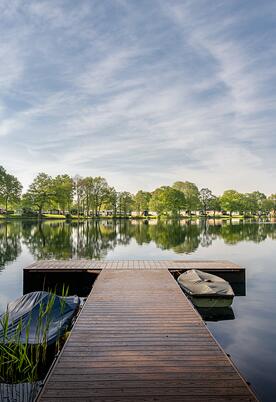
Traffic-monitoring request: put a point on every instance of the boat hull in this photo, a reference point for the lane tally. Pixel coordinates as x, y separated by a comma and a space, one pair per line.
211, 302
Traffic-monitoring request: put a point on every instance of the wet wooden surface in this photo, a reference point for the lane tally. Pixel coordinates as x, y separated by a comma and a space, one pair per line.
138, 338
86, 265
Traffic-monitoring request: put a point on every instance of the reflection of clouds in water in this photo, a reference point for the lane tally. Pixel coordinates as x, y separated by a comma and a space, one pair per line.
250, 338
4, 300
11, 278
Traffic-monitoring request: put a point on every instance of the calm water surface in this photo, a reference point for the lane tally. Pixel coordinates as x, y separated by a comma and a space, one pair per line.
250, 338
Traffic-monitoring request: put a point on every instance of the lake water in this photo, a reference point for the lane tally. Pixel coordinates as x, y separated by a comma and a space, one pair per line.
250, 338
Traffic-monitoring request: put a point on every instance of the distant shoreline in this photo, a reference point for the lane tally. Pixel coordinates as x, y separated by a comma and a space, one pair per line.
102, 218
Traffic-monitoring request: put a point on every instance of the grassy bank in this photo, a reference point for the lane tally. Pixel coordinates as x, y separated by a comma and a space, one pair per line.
138, 217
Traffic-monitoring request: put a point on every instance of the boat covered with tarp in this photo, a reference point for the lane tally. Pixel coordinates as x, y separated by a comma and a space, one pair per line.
38, 317
206, 290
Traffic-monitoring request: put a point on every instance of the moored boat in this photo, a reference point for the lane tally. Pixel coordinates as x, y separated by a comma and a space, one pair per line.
206, 290
38, 317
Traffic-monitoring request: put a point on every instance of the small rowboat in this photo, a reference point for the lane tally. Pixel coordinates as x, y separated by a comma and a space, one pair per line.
206, 290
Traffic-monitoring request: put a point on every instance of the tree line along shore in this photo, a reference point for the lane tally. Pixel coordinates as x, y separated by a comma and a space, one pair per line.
65, 197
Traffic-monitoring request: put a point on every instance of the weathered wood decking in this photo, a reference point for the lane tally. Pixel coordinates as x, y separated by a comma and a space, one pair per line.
138, 338
86, 265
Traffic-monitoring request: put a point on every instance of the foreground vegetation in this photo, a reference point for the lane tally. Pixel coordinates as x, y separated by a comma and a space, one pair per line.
25, 360
75, 198
22, 362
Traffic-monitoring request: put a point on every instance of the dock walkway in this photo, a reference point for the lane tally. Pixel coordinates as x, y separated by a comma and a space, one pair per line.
87, 265
138, 338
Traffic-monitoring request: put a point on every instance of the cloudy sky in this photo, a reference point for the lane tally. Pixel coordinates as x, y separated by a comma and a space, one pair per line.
142, 92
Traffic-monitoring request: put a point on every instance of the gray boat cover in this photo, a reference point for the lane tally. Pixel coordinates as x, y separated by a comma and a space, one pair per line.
27, 309
199, 283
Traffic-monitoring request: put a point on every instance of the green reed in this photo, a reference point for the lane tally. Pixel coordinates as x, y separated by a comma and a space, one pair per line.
20, 362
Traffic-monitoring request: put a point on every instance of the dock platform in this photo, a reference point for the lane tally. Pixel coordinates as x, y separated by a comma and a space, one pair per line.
81, 273
138, 338
82, 265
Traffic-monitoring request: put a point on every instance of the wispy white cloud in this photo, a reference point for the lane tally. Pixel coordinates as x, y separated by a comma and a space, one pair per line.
142, 93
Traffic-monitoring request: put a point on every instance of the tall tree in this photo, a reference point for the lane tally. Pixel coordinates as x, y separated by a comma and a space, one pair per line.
87, 185
254, 203
78, 192
260, 200
40, 193
191, 194
100, 193
125, 203
267, 206
214, 204
167, 201
206, 197
63, 187
10, 189
141, 201
158, 201
272, 198
249, 203
231, 200
95, 192
2, 179
112, 200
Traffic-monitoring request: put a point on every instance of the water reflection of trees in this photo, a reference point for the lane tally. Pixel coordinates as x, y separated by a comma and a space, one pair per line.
62, 240
186, 237
182, 238
10, 246
47, 240
94, 239
233, 234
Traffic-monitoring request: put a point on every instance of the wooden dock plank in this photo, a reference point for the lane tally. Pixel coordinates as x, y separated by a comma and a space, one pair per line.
138, 338
87, 265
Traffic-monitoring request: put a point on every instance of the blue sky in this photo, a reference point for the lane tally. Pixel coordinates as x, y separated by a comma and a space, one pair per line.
142, 92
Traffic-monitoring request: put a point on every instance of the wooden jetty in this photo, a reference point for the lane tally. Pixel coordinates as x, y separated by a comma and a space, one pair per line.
87, 265
138, 338
80, 274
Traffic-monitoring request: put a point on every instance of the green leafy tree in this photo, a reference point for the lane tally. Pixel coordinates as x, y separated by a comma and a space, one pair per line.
249, 203
272, 198
206, 197
176, 201
78, 193
231, 201
158, 201
260, 200
125, 203
191, 194
167, 201
100, 193
95, 192
40, 193
141, 201
87, 184
214, 204
112, 201
267, 205
63, 187
254, 203
10, 189
2, 180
